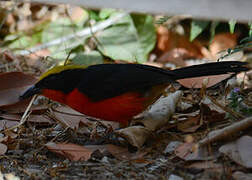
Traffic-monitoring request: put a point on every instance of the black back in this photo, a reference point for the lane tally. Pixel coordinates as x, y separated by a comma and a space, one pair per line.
109, 80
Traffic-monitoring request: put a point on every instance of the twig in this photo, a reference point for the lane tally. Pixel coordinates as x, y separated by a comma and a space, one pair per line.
84, 32
25, 115
227, 131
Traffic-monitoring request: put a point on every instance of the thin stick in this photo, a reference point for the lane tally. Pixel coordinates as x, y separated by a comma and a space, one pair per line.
227, 131
25, 115
84, 32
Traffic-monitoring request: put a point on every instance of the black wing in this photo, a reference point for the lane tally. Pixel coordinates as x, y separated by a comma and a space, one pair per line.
109, 80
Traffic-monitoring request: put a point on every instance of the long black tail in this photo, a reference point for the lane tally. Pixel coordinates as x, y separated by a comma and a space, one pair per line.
207, 69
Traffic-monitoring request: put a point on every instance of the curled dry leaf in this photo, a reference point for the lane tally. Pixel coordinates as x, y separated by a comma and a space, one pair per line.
155, 118
12, 85
135, 135
159, 114
239, 151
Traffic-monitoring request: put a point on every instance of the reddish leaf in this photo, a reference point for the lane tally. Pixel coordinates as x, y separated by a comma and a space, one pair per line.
12, 85
198, 81
222, 42
168, 40
71, 151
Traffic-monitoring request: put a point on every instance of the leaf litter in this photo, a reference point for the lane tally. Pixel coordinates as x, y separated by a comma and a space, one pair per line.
87, 149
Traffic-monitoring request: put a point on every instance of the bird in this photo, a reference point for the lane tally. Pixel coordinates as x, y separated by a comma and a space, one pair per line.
118, 92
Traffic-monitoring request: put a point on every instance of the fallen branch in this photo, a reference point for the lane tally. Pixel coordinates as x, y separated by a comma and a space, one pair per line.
227, 131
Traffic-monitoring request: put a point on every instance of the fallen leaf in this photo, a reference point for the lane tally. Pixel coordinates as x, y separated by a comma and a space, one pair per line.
205, 165
176, 56
160, 112
210, 111
122, 153
222, 42
70, 118
190, 125
155, 118
197, 82
191, 152
71, 151
32, 118
12, 85
168, 40
135, 135
175, 177
6, 124
239, 151
172, 146
238, 175
21, 106
3, 149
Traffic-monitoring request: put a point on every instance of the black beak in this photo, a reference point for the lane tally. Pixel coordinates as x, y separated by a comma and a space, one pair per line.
30, 92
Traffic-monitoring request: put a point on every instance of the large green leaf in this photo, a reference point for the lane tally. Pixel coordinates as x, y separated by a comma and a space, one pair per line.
232, 24
130, 39
57, 29
197, 27
250, 29
88, 58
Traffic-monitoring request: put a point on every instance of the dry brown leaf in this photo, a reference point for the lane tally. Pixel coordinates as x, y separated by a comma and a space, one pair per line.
239, 151
70, 118
205, 165
135, 135
21, 106
12, 85
175, 56
122, 153
3, 149
32, 118
168, 40
190, 125
210, 111
71, 151
222, 42
197, 82
189, 151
